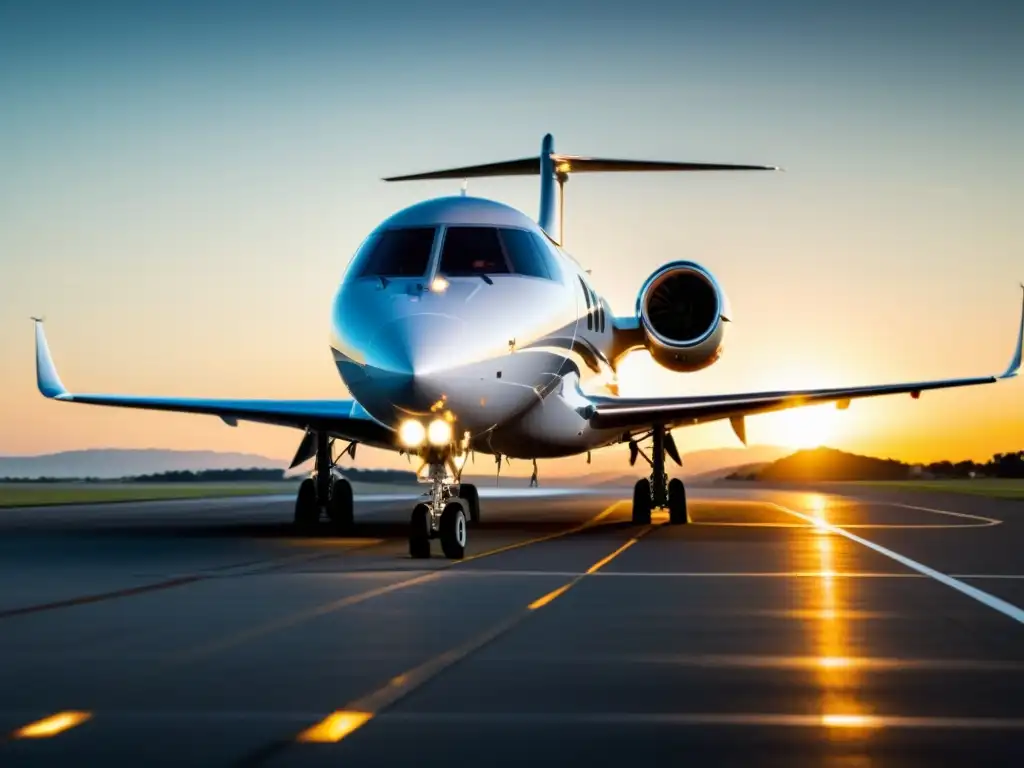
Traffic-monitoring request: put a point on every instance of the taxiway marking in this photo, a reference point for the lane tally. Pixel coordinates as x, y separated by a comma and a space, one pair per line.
51, 726
290, 620
993, 602
354, 715
828, 720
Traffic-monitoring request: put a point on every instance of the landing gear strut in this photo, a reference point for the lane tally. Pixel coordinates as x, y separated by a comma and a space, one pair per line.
657, 491
444, 517
323, 494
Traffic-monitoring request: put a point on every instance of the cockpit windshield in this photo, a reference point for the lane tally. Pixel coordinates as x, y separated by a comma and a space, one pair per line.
471, 251
395, 253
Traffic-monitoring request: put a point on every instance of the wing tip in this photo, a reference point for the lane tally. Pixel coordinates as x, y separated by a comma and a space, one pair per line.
1018, 352
47, 379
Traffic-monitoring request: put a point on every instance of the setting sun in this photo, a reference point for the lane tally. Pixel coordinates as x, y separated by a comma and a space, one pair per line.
808, 427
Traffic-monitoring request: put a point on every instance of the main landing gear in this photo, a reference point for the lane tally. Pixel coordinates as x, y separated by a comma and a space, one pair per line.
323, 494
446, 516
658, 491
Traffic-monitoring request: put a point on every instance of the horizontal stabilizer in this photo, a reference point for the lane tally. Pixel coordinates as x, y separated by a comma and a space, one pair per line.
531, 166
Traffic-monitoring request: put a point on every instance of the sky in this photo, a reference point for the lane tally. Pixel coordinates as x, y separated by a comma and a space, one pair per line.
183, 184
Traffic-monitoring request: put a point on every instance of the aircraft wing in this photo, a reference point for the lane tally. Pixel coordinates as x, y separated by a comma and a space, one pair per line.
635, 414
340, 418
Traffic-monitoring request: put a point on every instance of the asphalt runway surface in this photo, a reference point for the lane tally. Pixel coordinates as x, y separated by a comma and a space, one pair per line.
779, 628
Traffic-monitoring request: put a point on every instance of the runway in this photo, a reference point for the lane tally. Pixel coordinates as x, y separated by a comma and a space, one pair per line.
779, 628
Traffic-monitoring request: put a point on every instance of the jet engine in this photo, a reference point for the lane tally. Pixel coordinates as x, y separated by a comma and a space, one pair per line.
681, 310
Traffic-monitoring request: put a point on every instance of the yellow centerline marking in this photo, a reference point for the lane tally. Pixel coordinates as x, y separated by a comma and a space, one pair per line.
356, 714
239, 638
334, 727
548, 537
603, 562
554, 594
540, 602
51, 726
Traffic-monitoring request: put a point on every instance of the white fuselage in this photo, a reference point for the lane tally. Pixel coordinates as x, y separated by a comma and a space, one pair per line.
505, 353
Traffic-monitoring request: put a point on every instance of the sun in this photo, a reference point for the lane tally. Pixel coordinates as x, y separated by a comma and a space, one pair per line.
809, 427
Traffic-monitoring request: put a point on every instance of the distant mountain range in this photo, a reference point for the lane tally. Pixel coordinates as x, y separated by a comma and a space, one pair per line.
111, 463
830, 465
607, 469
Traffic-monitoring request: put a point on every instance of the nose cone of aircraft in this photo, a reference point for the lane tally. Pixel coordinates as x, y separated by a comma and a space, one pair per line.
408, 356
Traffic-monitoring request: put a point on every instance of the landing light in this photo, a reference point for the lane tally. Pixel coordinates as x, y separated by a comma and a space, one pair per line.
439, 432
438, 284
411, 433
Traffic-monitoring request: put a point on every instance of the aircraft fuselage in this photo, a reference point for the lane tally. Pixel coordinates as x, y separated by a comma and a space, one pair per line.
430, 319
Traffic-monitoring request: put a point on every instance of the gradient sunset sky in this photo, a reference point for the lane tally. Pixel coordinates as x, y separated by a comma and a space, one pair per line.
182, 185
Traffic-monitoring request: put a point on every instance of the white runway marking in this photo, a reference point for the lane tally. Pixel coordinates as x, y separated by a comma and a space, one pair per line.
988, 521
485, 493
993, 602
831, 720
693, 574
746, 661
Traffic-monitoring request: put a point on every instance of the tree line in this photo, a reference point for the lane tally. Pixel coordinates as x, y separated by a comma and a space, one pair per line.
1000, 465
395, 476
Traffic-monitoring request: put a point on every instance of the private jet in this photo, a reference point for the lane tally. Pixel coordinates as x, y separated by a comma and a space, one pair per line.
463, 326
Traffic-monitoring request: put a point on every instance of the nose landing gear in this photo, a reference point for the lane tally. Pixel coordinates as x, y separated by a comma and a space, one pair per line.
657, 491
445, 516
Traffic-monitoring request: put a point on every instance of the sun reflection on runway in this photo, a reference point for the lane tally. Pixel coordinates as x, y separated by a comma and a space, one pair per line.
836, 669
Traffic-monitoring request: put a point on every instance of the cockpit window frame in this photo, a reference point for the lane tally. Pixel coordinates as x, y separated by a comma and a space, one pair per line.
549, 258
356, 271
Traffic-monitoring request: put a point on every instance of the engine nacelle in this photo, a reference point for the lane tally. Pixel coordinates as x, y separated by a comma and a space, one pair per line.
682, 312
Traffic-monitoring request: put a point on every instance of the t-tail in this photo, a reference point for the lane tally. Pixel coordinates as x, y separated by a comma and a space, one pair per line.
554, 170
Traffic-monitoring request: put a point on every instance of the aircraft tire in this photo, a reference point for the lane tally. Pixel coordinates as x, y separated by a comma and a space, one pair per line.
419, 532
341, 505
642, 502
469, 493
453, 530
307, 511
677, 514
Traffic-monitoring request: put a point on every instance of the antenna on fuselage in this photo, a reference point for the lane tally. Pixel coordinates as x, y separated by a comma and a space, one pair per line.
465, 186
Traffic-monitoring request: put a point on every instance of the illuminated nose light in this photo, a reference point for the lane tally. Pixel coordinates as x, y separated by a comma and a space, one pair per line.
52, 725
438, 284
411, 433
439, 432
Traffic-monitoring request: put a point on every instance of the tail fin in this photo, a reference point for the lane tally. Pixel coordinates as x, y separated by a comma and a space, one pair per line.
554, 169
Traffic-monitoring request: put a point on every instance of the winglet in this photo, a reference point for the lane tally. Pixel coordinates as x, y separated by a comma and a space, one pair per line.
46, 372
1019, 350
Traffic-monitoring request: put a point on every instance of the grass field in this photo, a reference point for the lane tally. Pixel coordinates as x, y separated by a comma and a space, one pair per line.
37, 494
992, 487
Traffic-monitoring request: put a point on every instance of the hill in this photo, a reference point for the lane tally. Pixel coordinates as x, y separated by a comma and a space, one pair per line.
113, 463
827, 464
717, 462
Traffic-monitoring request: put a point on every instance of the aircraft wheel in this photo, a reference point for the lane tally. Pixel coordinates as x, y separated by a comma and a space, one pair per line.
340, 507
642, 502
453, 531
419, 532
677, 514
307, 511
470, 494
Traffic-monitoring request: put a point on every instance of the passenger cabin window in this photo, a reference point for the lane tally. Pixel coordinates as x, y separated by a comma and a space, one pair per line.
470, 251
396, 253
